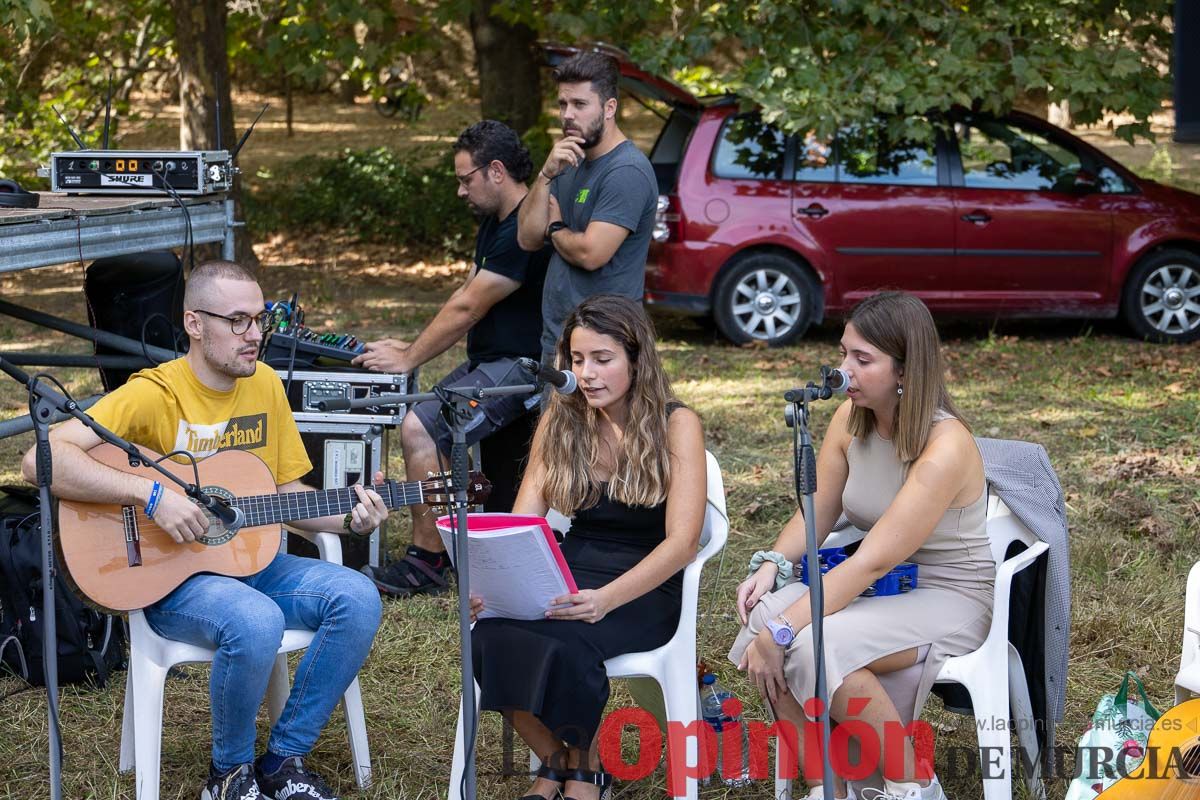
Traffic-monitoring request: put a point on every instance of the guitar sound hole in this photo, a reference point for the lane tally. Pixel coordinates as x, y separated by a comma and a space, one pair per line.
1191, 761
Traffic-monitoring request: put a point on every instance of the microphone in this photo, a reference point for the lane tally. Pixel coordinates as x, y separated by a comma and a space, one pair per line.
563, 382
232, 517
837, 380
833, 381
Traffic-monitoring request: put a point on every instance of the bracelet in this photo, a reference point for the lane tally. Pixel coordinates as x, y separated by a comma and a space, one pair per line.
346, 522
155, 496
549, 180
779, 560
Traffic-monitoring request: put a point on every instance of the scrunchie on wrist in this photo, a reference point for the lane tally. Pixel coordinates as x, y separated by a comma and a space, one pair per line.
785, 567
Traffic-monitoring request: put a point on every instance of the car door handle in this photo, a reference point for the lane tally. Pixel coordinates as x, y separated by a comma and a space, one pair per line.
977, 217
813, 211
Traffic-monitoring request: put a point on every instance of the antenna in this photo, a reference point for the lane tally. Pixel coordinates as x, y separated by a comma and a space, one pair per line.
217, 91
238, 147
67, 125
107, 111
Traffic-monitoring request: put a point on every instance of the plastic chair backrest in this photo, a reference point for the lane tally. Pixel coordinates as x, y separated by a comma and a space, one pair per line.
1004, 528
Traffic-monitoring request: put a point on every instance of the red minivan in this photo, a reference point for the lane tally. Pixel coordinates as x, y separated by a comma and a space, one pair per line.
1011, 216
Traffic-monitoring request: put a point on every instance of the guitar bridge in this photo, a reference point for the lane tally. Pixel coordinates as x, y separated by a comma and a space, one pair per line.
133, 541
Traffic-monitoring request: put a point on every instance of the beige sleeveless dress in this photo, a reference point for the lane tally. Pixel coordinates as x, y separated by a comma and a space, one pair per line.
949, 611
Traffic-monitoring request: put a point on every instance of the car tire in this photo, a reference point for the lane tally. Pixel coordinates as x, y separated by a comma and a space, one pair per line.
765, 297
1161, 299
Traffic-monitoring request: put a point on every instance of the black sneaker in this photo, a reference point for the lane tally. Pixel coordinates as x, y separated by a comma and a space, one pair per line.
411, 575
293, 781
237, 784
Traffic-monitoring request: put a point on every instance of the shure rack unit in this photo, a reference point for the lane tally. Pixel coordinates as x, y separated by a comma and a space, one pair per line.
133, 172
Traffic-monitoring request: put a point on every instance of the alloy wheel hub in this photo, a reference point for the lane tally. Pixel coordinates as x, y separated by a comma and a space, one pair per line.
766, 302
1174, 298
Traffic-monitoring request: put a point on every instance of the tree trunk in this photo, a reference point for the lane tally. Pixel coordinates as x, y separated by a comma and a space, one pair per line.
200, 28
287, 94
347, 90
509, 66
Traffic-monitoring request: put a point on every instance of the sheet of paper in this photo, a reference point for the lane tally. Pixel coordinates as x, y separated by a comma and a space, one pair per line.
513, 569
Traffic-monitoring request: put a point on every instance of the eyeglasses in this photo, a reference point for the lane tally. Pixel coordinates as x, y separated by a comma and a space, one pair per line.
464, 180
240, 323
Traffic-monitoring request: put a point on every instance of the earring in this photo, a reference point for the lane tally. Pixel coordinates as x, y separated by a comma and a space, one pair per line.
900, 390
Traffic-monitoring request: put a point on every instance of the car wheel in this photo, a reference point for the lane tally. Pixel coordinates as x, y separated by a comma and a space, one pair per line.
1161, 301
765, 297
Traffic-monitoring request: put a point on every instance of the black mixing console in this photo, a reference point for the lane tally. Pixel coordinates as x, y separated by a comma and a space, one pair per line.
306, 347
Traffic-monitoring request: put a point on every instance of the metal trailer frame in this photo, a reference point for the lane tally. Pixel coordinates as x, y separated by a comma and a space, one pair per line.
74, 228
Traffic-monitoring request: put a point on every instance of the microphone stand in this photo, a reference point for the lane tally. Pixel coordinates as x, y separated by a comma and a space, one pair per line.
805, 471
45, 405
457, 404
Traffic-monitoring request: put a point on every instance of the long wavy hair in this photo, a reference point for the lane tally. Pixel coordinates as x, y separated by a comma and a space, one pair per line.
900, 325
570, 443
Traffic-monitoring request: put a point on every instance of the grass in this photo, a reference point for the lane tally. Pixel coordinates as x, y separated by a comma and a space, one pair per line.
1119, 418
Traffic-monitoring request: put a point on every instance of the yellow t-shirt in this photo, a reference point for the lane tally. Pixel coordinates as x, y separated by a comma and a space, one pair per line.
167, 408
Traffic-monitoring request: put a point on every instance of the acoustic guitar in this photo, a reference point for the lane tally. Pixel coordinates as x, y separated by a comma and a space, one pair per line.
118, 559
1171, 768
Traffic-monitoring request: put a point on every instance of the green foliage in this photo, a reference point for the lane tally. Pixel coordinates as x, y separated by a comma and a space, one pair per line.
373, 195
1161, 167
314, 42
61, 54
23, 17
702, 81
538, 140
816, 65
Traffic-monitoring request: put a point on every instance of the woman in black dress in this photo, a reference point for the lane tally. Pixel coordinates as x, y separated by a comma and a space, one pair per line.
627, 460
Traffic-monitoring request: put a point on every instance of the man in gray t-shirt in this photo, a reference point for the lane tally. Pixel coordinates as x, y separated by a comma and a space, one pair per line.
594, 198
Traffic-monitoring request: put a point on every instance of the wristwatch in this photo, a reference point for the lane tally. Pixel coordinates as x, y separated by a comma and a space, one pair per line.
555, 227
781, 632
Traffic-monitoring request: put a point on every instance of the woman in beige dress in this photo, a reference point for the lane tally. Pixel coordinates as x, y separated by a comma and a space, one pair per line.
901, 463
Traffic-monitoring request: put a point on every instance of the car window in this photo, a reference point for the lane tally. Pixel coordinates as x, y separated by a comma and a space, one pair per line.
867, 154
999, 155
1112, 183
814, 159
749, 148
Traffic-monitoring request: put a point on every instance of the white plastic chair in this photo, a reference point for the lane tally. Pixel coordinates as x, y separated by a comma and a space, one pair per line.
993, 675
151, 656
673, 665
1187, 682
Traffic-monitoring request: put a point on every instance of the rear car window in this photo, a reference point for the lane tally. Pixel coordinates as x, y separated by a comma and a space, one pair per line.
867, 154
814, 159
749, 148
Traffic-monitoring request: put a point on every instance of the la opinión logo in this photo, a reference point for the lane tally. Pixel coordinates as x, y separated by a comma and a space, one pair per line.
872, 753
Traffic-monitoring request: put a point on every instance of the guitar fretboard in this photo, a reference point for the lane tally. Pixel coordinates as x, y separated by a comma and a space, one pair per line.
269, 509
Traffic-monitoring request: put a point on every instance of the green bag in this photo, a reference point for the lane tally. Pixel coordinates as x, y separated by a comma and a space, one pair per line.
1121, 726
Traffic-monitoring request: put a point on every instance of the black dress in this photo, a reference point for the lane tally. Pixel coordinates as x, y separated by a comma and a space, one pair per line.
554, 669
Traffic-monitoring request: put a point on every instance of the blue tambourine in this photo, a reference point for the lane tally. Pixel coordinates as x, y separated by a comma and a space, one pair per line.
901, 578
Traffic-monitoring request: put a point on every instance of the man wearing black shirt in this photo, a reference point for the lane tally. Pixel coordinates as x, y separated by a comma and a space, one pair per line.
498, 308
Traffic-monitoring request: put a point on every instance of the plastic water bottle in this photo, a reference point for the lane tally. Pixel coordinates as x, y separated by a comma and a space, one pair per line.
712, 697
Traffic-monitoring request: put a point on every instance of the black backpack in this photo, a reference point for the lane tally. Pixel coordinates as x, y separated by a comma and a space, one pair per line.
90, 644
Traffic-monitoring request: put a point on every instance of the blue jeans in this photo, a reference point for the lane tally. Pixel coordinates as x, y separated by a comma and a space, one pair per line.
243, 619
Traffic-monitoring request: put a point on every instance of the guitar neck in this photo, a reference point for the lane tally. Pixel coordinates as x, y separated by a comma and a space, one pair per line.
272, 509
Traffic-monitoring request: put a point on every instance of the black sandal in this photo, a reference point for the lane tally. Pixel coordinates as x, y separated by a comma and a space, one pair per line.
550, 774
597, 778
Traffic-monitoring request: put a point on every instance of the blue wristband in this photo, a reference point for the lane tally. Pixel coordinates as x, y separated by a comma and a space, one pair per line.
155, 496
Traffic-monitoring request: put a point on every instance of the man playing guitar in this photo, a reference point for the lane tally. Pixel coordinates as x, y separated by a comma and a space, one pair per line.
219, 397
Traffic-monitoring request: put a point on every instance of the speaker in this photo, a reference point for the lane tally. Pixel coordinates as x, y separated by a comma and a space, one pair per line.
137, 296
